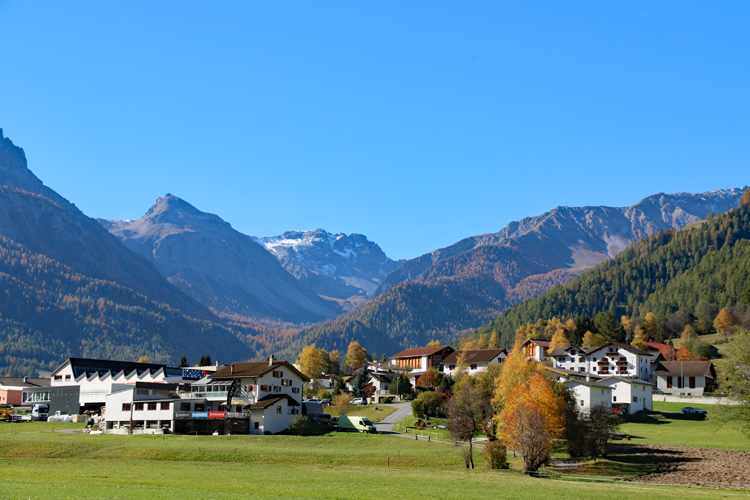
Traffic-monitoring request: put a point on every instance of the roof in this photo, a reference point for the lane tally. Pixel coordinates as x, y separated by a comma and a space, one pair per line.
271, 399
686, 368
539, 342
475, 355
88, 367
624, 347
421, 351
564, 351
383, 376
628, 380
588, 383
254, 369
24, 382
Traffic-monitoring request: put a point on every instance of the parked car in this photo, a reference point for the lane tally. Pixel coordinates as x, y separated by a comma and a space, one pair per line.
359, 401
311, 400
322, 418
692, 410
325, 401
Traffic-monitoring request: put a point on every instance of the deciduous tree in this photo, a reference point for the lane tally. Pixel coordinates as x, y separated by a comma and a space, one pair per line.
559, 340
429, 379
356, 355
725, 322
468, 413
736, 376
591, 339
531, 421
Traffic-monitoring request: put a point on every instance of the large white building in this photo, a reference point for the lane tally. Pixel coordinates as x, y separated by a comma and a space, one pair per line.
611, 359
630, 394
685, 378
590, 394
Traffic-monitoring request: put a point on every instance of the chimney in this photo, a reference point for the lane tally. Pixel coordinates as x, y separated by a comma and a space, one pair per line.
588, 377
270, 360
231, 368
24, 380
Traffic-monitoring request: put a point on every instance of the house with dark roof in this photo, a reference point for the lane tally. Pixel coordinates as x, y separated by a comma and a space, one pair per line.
421, 359
685, 378
12, 388
475, 360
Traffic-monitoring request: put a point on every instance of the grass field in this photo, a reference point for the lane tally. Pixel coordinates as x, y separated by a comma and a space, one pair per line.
336, 466
671, 429
367, 411
7, 427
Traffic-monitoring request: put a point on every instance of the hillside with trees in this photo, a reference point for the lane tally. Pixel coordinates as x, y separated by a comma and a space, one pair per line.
49, 313
681, 277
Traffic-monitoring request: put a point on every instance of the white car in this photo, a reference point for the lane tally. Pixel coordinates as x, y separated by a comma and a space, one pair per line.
359, 401
693, 410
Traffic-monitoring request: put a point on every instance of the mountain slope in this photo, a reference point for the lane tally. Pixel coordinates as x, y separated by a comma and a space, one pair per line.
218, 266
480, 277
44, 222
348, 268
50, 313
669, 271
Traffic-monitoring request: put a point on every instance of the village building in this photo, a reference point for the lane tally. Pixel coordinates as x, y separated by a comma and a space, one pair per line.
685, 378
536, 349
418, 361
630, 395
590, 394
12, 389
475, 361
611, 359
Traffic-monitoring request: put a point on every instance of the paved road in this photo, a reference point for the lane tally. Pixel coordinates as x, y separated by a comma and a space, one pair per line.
385, 426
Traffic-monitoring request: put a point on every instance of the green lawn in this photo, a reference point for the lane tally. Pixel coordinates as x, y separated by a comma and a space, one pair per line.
367, 411
6, 427
669, 428
336, 466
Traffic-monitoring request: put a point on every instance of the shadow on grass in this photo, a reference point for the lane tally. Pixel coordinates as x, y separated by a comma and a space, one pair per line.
646, 418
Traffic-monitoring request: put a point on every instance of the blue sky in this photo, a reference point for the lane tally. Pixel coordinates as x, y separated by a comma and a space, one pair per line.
414, 123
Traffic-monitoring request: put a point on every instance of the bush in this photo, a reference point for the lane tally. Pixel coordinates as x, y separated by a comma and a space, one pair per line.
496, 455
298, 424
428, 404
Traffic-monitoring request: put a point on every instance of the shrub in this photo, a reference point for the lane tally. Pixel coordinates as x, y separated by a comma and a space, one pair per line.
496, 455
298, 424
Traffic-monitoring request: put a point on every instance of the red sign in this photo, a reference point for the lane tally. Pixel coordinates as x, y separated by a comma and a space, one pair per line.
217, 414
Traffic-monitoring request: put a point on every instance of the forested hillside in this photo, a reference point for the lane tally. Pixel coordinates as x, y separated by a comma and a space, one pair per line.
692, 272
49, 312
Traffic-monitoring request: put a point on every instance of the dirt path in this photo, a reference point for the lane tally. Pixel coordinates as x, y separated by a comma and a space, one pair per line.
691, 466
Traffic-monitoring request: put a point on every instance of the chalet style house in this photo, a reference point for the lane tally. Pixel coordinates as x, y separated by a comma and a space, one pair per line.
476, 360
419, 360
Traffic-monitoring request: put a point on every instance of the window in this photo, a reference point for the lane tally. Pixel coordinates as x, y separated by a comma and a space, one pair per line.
264, 388
58, 377
257, 425
452, 367
669, 382
126, 407
472, 367
295, 390
165, 406
152, 406
278, 374
692, 382
184, 406
138, 406
67, 377
286, 382
635, 399
278, 409
614, 399
276, 388
583, 403
200, 407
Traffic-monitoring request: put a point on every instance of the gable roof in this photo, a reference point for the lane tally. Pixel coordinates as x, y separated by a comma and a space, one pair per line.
627, 380
624, 347
686, 368
421, 351
474, 355
587, 383
539, 342
24, 382
572, 373
564, 351
267, 401
254, 369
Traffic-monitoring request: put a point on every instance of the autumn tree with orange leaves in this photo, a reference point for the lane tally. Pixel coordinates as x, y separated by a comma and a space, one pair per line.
531, 420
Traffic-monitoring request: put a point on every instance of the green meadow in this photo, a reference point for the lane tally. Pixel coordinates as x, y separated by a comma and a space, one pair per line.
335, 466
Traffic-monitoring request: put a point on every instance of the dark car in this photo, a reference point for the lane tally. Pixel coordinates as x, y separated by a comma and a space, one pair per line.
322, 418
